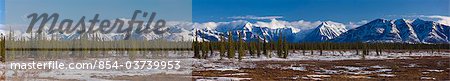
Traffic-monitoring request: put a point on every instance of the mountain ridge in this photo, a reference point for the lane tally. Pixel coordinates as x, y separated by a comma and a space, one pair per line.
397, 31
379, 30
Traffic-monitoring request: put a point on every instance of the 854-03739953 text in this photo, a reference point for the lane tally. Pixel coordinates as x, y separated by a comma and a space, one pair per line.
99, 64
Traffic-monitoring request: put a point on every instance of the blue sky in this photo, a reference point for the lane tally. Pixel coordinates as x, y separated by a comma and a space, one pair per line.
317, 10
227, 10
17, 10
2, 13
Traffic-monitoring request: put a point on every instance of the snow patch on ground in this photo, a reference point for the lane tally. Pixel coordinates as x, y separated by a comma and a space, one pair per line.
215, 63
297, 68
344, 55
222, 79
386, 75
236, 74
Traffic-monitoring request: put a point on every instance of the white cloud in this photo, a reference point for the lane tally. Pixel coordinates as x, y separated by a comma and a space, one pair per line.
272, 24
437, 18
211, 25
256, 17
302, 24
441, 19
352, 25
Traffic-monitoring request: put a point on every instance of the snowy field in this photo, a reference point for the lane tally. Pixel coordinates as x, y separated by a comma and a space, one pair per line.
332, 65
297, 66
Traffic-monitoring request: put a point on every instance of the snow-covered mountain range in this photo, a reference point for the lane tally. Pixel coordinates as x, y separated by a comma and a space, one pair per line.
325, 31
378, 30
397, 31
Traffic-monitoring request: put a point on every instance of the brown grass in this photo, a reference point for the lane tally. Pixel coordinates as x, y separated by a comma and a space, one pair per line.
397, 65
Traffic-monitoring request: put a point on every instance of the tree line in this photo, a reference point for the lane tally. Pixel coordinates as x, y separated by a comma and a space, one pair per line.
227, 46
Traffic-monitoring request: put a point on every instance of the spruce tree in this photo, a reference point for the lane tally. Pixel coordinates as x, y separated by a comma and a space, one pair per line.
241, 47
270, 48
265, 47
285, 48
303, 51
321, 46
357, 48
210, 47
230, 46
204, 49
3, 49
279, 45
364, 51
196, 47
258, 47
250, 46
222, 48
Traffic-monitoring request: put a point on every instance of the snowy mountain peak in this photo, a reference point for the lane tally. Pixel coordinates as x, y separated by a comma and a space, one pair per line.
378, 30
325, 31
431, 32
397, 31
406, 30
248, 26
332, 25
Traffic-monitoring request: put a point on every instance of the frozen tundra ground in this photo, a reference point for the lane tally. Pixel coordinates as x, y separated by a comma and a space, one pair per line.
332, 65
